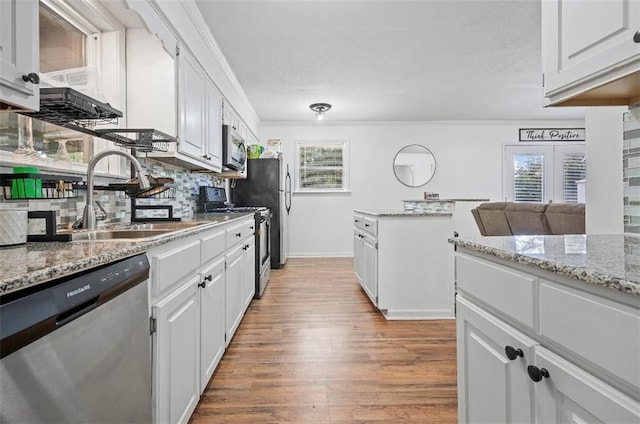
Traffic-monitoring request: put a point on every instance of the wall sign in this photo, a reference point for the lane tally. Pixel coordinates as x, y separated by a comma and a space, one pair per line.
552, 134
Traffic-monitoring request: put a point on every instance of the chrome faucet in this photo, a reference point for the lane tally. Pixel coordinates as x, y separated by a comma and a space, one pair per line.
89, 214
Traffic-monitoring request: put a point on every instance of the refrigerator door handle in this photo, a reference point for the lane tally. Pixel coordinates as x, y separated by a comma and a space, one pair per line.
287, 195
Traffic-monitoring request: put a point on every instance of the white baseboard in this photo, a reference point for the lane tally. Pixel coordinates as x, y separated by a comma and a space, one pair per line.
320, 255
418, 314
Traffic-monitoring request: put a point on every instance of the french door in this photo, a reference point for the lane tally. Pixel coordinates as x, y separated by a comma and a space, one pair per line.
544, 173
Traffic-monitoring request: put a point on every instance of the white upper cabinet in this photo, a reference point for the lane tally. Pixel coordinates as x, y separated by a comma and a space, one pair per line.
191, 98
213, 130
591, 52
19, 55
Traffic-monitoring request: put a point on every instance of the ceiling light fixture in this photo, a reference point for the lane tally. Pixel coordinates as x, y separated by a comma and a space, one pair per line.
320, 109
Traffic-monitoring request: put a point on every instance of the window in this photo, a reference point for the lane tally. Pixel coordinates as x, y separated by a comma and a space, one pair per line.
544, 173
322, 166
81, 48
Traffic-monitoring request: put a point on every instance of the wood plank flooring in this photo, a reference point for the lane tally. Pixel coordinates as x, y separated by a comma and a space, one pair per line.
314, 350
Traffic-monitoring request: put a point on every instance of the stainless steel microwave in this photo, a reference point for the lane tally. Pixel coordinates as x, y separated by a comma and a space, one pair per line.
234, 151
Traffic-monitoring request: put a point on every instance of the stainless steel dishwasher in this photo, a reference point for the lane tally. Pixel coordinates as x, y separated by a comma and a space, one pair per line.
77, 350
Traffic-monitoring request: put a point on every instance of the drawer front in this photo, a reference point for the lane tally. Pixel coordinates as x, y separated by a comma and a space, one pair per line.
599, 330
234, 235
358, 221
172, 266
505, 289
212, 245
371, 225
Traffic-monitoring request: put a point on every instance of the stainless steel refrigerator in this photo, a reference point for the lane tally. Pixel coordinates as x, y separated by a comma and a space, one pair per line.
268, 183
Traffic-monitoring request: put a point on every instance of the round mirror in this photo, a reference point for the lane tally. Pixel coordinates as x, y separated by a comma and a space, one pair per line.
414, 165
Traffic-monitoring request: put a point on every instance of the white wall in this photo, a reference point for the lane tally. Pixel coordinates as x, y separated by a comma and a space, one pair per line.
604, 186
468, 164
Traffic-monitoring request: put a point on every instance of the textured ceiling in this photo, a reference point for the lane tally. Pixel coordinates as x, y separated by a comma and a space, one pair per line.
386, 60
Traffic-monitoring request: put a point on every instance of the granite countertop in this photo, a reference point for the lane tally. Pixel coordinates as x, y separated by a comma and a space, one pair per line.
34, 263
611, 261
399, 212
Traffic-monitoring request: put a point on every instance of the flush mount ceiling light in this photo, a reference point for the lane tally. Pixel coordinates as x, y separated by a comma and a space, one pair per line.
320, 109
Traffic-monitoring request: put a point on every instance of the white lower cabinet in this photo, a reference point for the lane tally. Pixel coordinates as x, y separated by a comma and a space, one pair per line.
241, 283
200, 289
248, 274
176, 361
212, 316
233, 292
370, 267
569, 394
512, 369
358, 255
493, 387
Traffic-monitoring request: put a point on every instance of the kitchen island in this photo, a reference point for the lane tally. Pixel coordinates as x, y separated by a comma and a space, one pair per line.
548, 328
404, 263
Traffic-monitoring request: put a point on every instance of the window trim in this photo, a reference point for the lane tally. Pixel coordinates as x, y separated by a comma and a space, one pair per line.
345, 166
552, 179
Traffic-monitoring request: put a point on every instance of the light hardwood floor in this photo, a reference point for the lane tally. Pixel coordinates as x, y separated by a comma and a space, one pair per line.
314, 350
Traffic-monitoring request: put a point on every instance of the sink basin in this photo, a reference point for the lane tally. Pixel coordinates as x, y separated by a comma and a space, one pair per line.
118, 234
135, 231
174, 225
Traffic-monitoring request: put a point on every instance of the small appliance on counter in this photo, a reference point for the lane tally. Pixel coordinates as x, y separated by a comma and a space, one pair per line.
214, 200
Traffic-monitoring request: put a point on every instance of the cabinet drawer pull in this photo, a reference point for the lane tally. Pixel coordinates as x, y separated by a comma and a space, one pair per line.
537, 374
636, 37
31, 77
512, 353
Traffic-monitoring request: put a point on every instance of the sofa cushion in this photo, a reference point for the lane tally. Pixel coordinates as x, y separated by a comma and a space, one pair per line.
527, 218
566, 218
493, 220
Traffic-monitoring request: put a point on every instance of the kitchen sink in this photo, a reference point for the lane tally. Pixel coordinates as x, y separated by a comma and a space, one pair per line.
134, 231
174, 225
137, 234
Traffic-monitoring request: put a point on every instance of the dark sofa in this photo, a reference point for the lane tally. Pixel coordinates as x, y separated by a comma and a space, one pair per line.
515, 218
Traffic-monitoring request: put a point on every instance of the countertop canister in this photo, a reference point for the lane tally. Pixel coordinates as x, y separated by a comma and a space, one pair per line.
13, 226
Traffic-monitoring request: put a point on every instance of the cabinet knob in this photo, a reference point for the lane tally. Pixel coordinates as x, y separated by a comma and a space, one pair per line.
238, 234
537, 374
251, 227
31, 77
636, 37
366, 225
208, 277
512, 353
245, 247
203, 284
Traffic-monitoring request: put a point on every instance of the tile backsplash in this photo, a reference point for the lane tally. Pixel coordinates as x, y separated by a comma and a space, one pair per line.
631, 170
118, 206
